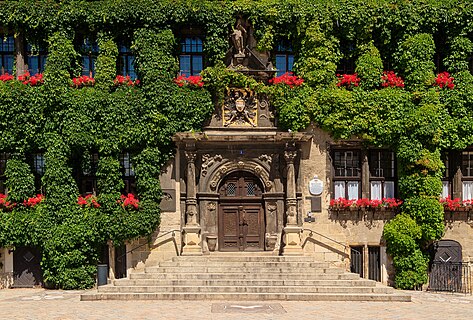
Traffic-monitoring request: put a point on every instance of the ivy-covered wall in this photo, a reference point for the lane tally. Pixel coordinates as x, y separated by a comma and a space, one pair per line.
418, 119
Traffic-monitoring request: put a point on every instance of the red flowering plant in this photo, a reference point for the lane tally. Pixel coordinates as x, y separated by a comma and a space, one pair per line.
443, 80
390, 79
31, 202
129, 201
6, 77
348, 80
450, 204
456, 204
288, 79
89, 200
467, 203
4, 204
28, 79
190, 81
83, 81
125, 81
342, 203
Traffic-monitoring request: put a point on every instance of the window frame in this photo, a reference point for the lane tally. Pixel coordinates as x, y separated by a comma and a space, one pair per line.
5, 53
347, 178
284, 50
86, 178
191, 54
88, 48
125, 53
128, 174
41, 55
465, 177
376, 164
347, 63
4, 156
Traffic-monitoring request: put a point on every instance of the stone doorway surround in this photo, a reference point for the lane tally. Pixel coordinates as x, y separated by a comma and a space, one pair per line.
208, 157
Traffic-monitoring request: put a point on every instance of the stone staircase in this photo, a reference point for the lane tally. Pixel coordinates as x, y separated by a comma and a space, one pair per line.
251, 277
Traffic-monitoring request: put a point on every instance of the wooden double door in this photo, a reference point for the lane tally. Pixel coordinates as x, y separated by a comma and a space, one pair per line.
241, 214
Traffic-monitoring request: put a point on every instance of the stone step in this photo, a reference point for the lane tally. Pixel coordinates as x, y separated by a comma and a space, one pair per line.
238, 275
245, 264
246, 258
242, 289
399, 297
219, 269
238, 282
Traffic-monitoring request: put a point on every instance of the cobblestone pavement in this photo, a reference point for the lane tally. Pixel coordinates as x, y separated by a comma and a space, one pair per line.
52, 304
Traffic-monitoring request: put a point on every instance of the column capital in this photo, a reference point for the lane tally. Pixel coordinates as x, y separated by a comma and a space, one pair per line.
190, 155
290, 156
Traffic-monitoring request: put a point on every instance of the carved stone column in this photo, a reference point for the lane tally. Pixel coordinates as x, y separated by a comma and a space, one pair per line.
192, 230
292, 232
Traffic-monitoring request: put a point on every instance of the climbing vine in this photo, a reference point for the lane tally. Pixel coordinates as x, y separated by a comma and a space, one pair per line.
397, 40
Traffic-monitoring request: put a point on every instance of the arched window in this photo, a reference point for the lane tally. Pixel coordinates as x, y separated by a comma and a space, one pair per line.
191, 59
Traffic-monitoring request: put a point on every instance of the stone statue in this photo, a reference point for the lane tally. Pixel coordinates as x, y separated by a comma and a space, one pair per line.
238, 38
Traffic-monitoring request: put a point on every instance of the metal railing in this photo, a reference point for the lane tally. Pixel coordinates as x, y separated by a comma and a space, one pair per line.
450, 277
173, 234
312, 232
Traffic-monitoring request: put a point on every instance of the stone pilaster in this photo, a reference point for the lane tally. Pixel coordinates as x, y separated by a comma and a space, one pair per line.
292, 232
192, 231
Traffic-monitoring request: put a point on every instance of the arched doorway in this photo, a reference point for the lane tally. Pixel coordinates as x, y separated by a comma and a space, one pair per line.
241, 225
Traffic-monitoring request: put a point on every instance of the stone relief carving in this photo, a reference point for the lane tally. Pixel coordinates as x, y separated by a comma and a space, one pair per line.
266, 158
208, 161
240, 165
211, 206
272, 207
240, 108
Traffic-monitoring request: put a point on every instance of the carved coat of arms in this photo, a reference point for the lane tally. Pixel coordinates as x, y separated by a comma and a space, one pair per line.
240, 108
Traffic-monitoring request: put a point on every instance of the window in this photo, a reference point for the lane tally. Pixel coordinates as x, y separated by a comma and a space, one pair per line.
347, 168
284, 58
467, 175
126, 62
35, 58
89, 51
88, 174
127, 173
7, 52
38, 170
446, 181
191, 59
347, 63
382, 174
3, 164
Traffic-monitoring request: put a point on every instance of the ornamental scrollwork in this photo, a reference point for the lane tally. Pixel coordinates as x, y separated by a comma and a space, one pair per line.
208, 161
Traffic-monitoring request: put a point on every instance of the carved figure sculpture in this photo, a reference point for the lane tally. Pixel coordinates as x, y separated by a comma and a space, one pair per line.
238, 38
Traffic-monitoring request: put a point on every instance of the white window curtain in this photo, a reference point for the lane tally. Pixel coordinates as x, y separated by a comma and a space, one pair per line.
445, 189
339, 189
389, 189
353, 190
375, 191
467, 190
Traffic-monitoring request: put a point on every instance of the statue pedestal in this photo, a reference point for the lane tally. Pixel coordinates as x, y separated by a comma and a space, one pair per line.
192, 241
292, 241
